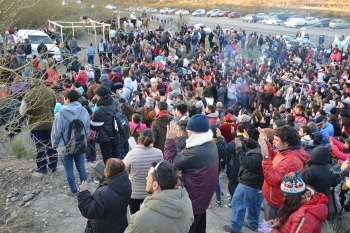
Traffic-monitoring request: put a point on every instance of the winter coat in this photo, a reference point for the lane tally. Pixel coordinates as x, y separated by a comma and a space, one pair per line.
105, 131
228, 151
162, 212
180, 143
105, 82
276, 101
60, 128
337, 149
309, 216
266, 99
221, 92
106, 207
276, 166
137, 163
289, 97
175, 88
159, 129
81, 77
328, 128
199, 164
126, 92
318, 174
9, 112
195, 38
90, 91
136, 47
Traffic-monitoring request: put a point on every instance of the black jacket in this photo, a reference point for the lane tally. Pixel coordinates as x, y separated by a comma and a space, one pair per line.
106, 130
250, 172
106, 207
318, 175
276, 101
228, 151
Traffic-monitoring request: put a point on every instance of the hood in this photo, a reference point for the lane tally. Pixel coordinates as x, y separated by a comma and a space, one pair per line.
81, 90
120, 183
164, 121
317, 206
104, 77
175, 84
313, 127
172, 203
127, 82
320, 155
74, 108
306, 140
101, 40
213, 115
298, 151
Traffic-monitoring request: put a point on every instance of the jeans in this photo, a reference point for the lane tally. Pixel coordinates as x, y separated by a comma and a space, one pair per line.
246, 197
270, 212
74, 51
79, 161
218, 189
123, 150
245, 101
21, 59
137, 55
91, 60
194, 50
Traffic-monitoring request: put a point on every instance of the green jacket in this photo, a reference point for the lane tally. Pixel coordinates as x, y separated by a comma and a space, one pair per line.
166, 211
159, 129
39, 103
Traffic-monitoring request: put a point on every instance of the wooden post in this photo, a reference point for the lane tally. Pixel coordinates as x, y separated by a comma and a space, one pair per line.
62, 35
95, 36
73, 28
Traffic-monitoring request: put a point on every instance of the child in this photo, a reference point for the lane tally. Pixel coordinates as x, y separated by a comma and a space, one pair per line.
136, 126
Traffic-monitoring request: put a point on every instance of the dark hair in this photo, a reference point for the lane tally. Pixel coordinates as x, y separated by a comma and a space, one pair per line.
213, 128
77, 84
181, 97
306, 129
345, 121
192, 110
114, 166
136, 118
288, 134
162, 105
211, 108
289, 205
167, 175
146, 137
290, 120
72, 95
182, 125
161, 92
182, 108
241, 126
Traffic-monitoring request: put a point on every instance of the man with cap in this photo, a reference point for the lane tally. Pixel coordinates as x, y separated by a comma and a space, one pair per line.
103, 122
143, 15
198, 163
325, 129
92, 85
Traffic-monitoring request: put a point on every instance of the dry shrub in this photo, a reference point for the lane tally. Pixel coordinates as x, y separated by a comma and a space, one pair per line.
22, 149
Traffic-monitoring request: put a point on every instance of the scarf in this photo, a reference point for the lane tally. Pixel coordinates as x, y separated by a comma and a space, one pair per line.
162, 113
199, 139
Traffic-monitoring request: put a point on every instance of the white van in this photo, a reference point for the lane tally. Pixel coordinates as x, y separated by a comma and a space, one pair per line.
295, 23
35, 37
199, 12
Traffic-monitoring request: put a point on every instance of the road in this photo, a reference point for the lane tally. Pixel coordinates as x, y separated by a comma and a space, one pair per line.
227, 23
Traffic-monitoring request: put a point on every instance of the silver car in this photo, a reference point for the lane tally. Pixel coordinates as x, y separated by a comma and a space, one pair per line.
339, 23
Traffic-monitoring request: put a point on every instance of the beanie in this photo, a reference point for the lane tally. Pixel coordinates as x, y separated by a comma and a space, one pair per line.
280, 123
198, 123
292, 184
101, 91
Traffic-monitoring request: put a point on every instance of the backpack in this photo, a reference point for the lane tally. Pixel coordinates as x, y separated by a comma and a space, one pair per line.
101, 48
76, 143
130, 97
121, 126
243, 38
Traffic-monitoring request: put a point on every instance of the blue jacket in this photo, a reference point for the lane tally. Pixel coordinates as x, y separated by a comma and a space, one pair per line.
90, 51
195, 38
328, 128
61, 125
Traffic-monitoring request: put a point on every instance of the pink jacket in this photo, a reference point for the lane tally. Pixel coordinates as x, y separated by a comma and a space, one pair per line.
133, 126
337, 149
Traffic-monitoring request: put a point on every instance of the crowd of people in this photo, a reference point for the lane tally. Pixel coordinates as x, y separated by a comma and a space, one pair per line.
277, 124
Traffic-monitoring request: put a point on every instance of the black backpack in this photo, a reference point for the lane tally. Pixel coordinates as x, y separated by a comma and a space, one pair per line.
76, 143
121, 126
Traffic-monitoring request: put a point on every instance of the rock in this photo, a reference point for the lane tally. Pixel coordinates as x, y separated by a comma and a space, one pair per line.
28, 197
38, 176
6, 208
61, 211
7, 200
9, 195
30, 170
67, 215
27, 193
22, 203
8, 169
14, 214
27, 204
37, 191
13, 199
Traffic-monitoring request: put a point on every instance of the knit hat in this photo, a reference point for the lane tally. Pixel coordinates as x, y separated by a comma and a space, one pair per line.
319, 120
245, 118
101, 91
198, 123
280, 123
347, 141
292, 184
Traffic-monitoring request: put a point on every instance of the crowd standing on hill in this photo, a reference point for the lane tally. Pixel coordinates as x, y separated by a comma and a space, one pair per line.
277, 124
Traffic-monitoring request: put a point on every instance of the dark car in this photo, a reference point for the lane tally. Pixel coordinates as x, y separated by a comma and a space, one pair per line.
281, 16
323, 22
251, 18
234, 15
224, 13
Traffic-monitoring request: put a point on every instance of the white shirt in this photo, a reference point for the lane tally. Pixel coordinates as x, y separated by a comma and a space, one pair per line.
132, 16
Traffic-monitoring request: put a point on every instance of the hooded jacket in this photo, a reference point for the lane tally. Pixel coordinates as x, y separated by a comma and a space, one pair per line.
199, 164
105, 81
106, 207
175, 88
126, 92
318, 174
163, 212
81, 77
276, 166
328, 128
159, 129
60, 128
308, 218
195, 38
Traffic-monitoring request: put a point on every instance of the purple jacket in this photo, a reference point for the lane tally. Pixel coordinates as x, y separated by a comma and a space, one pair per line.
283, 54
199, 166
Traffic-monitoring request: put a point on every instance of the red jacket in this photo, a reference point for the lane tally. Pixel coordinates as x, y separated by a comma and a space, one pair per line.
278, 165
308, 218
81, 77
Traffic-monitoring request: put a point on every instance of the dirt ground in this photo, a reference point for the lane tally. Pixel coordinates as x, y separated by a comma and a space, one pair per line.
31, 203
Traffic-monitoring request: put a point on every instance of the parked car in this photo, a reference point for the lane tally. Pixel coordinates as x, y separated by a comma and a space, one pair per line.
151, 10
211, 11
234, 15
111, 7
281, 16
323, 22
271, 14
224, 13
205, 28
35, 37
261, 16
310, 21
199, 12
215, 14
165, 10
173, 11
184, 12
339, 23
294, 23
272, 21
251, 18
296, 16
